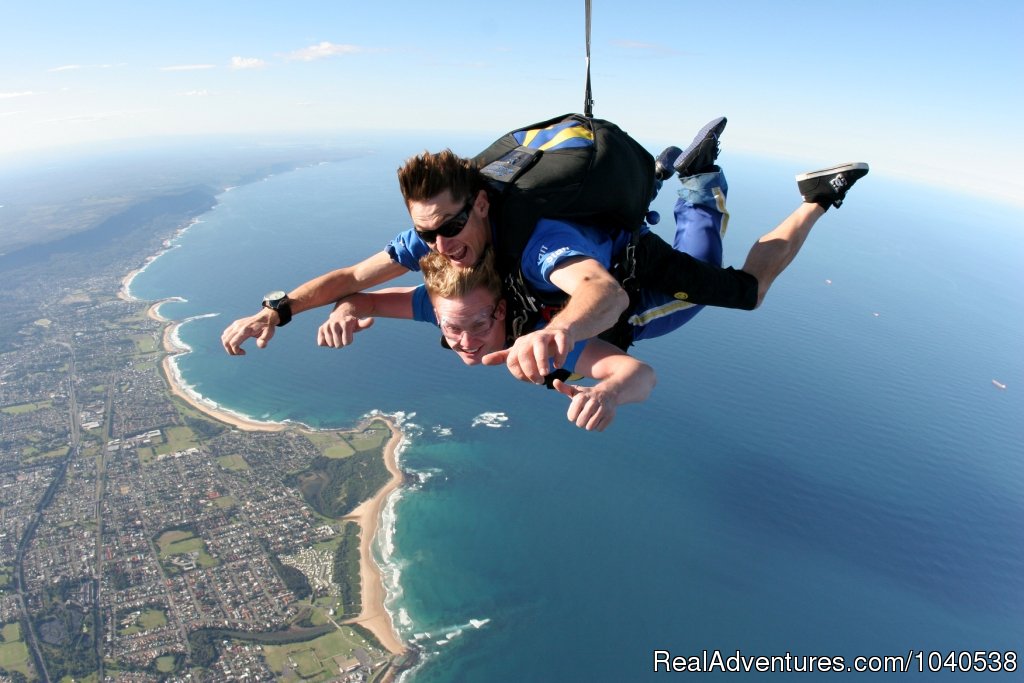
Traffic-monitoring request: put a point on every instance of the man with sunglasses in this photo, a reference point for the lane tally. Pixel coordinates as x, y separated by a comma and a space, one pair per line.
449, 207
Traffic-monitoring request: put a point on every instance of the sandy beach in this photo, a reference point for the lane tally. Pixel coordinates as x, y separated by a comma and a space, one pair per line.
373, 616
175, 386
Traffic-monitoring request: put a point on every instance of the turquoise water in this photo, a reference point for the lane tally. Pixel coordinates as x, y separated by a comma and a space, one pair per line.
834, 474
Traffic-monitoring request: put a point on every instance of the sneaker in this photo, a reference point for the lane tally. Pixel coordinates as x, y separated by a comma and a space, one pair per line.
702, 152
663, 165
828, 187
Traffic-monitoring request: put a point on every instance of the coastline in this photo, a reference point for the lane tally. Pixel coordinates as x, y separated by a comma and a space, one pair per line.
373, 614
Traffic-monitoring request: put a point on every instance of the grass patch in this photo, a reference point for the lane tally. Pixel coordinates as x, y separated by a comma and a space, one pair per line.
206, 560
169, 537
177, 439
306, 663
152, 618
11, 632
146, 456
370, 438
224, 502
166, 664
13, 652
191, 545
342, 642
331, 444
76, 298
179, 542
144, 343
235, 463
22, 408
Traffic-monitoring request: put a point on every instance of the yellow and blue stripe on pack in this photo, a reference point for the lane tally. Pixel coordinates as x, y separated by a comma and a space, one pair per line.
562, 135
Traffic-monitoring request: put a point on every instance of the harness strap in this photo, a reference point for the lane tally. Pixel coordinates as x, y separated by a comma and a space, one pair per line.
588, 99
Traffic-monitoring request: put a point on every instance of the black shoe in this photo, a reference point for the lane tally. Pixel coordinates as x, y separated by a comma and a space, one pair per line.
700, 156
828, 187
663, 165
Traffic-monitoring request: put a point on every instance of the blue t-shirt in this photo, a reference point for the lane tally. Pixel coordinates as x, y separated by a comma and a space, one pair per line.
407, 249
553, 242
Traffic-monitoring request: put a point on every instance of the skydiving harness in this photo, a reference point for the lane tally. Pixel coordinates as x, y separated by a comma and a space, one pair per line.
575, 168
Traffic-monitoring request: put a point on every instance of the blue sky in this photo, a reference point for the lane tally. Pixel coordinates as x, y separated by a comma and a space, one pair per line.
929, 91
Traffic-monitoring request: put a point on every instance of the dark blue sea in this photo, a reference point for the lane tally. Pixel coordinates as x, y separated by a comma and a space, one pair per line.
835, 474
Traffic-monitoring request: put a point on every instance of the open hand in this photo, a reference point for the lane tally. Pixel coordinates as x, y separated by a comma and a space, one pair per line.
589, 407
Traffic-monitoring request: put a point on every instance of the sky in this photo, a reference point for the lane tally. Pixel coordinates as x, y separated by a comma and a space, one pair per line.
928, 91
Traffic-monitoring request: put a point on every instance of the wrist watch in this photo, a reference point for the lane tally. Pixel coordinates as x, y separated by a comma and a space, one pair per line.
279, 301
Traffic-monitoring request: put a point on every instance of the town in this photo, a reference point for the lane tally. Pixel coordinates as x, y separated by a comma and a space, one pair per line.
141, 540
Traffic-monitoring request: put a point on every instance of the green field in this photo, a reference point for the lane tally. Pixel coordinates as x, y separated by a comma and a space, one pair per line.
177, 439
235, 463
225, 502
165, 664
306, 663
144, 343
191, 545
22, 408
370, 438
13, 652
146, 456
169, 537
331, 444
152, 618
182, 543
178, 543
11, 632
310, 657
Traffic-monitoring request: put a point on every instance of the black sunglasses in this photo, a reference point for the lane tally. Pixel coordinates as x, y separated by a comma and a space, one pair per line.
451, 227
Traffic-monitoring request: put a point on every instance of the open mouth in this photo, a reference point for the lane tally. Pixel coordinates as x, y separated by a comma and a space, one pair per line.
459, 254
472, 351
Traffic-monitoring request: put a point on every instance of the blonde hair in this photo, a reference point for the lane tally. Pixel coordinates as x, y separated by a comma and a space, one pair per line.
425, 176
446, 280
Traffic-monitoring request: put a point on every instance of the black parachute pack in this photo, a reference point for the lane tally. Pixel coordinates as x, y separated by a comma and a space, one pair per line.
570, 167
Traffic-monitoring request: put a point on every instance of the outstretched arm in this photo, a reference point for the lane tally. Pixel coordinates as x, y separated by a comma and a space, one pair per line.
595, 304
319, 291
621, 379
355, 313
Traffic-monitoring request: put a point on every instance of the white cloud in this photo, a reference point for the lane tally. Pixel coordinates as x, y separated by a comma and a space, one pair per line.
188, 67
322, 50
11, 95
74, 67
247, 63
196, 93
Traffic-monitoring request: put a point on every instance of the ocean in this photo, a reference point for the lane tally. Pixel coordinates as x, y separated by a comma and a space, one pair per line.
835, 474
